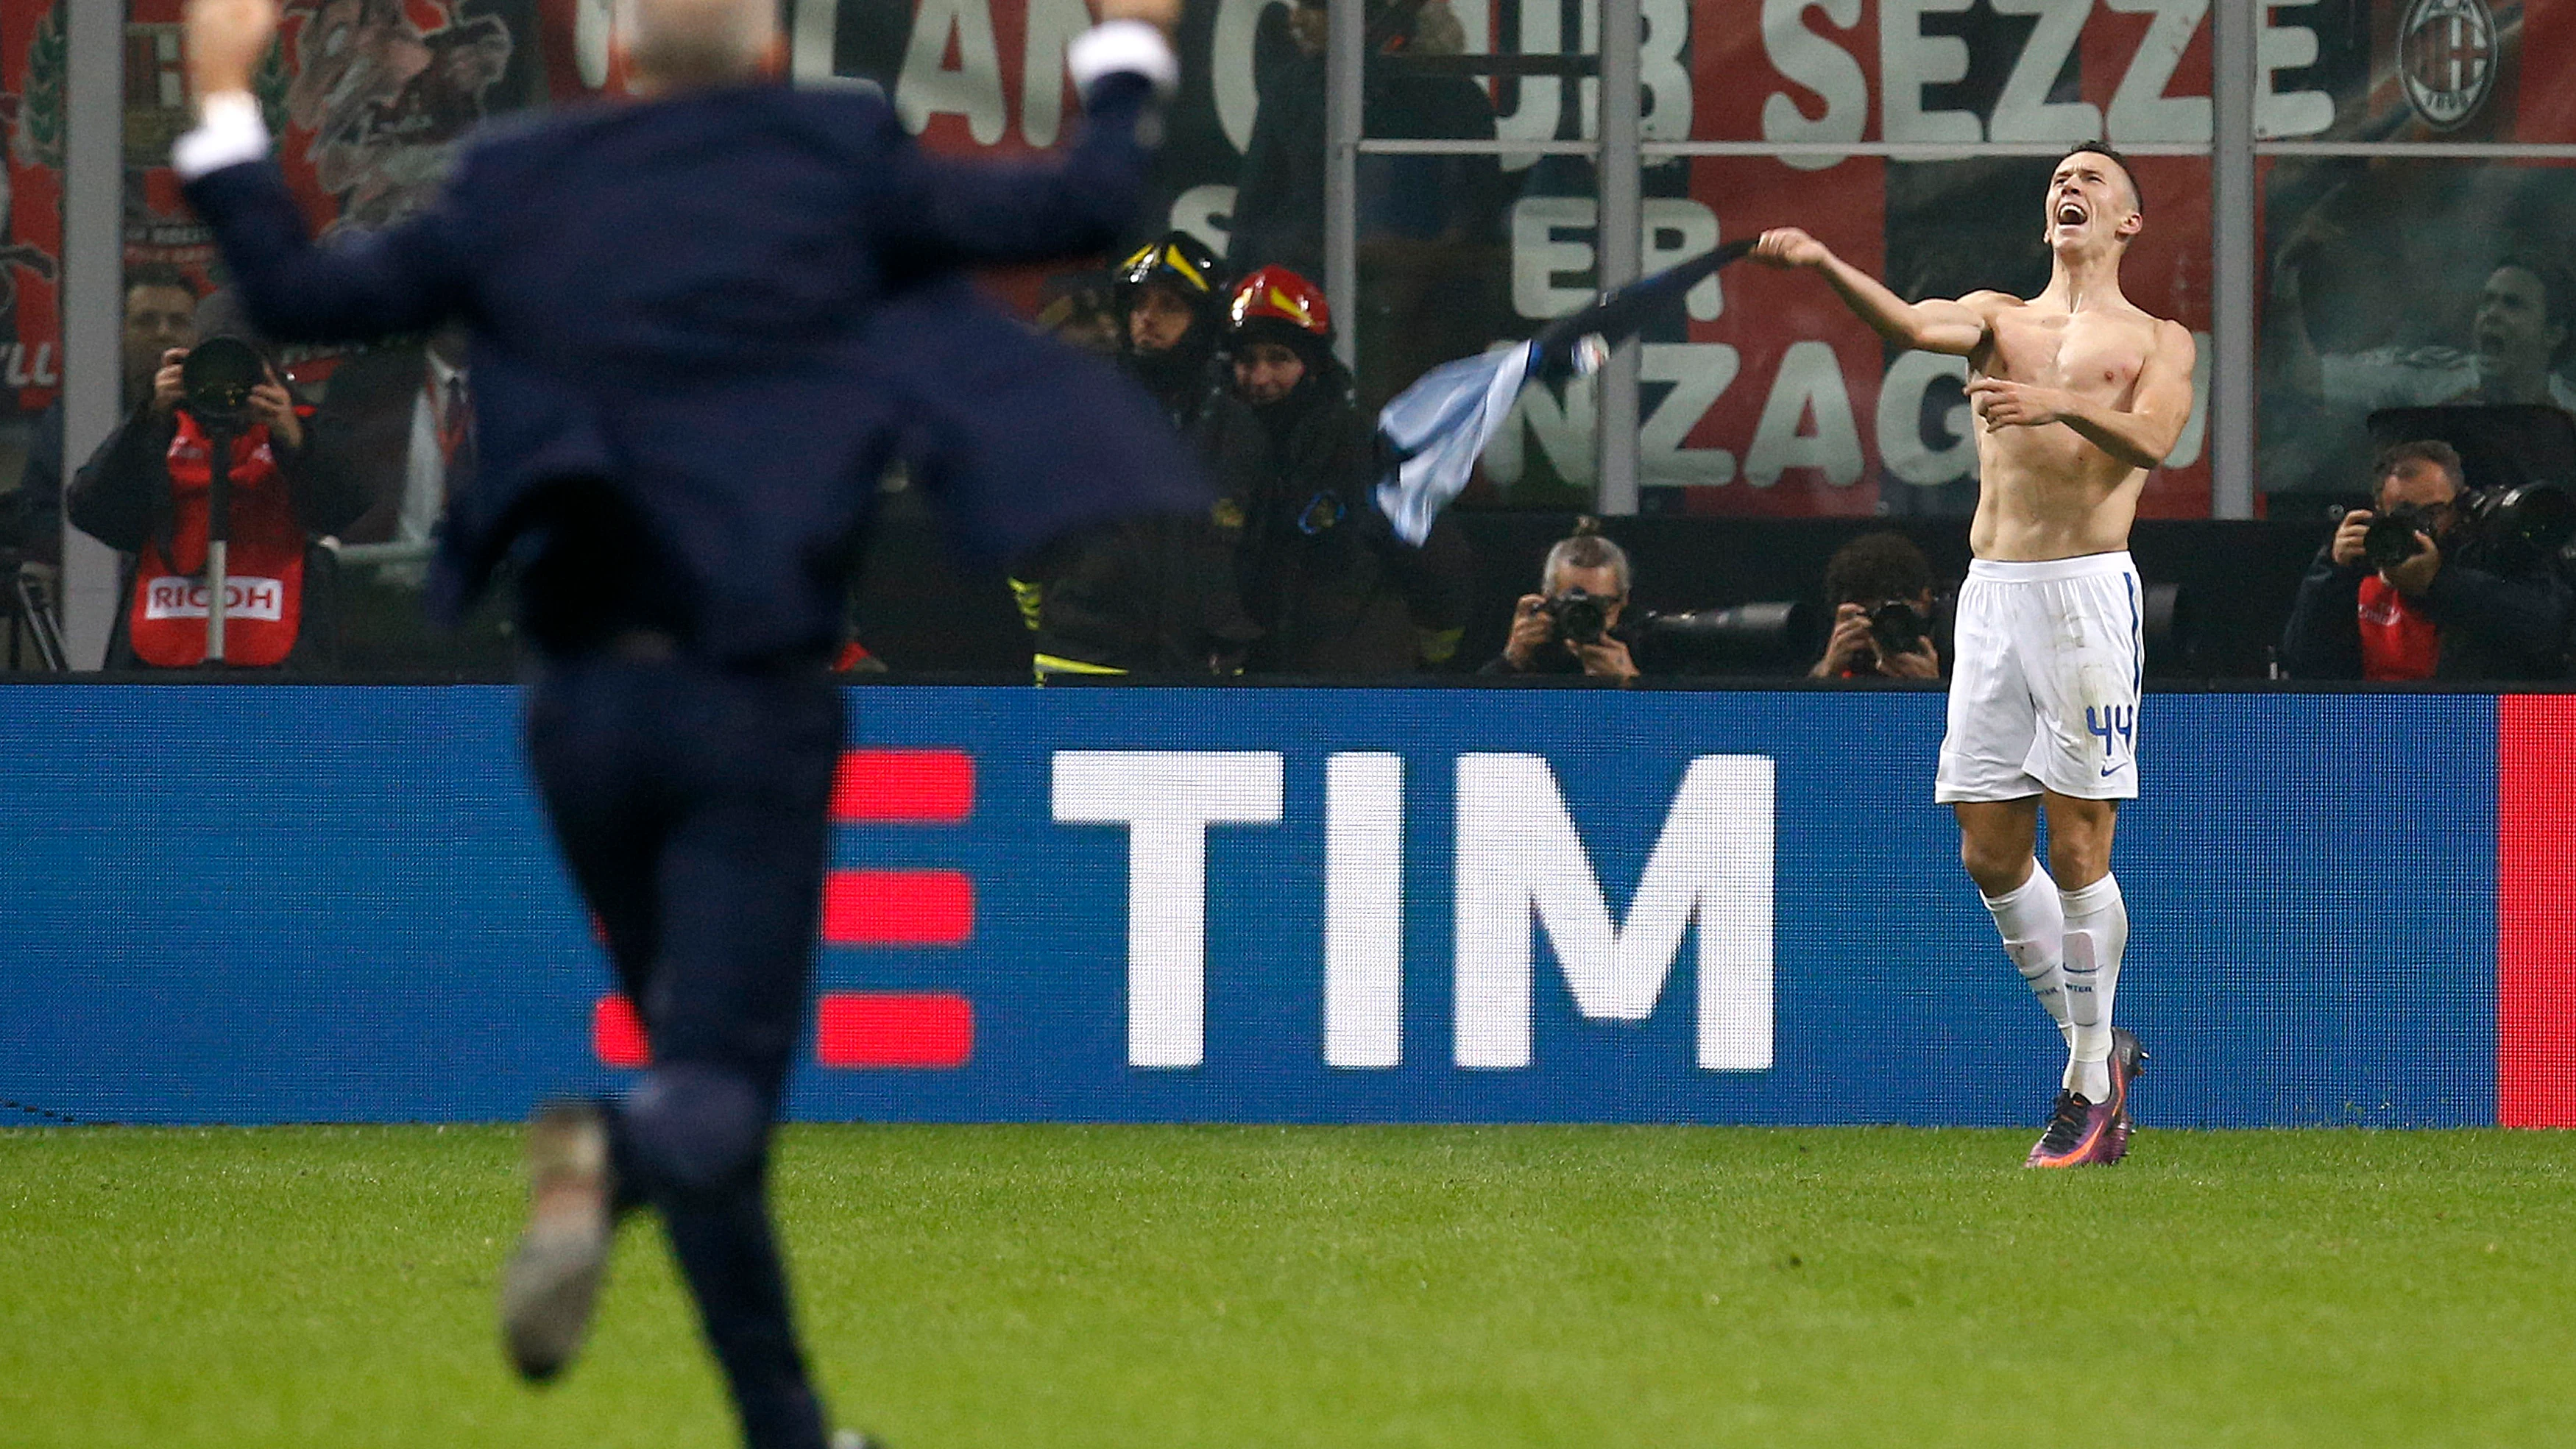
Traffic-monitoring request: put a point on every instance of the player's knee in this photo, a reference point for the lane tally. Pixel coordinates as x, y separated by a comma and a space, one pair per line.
2077, 862
1995, 869
696, 1127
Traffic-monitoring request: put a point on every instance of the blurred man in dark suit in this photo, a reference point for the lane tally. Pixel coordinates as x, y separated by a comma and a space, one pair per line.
701, 325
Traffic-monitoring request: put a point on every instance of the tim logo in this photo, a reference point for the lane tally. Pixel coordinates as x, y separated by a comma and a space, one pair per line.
1521, 870
2447, 53
244, 598
1521, 873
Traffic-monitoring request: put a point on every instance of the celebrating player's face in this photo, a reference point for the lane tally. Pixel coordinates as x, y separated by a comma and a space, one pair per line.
2090, 197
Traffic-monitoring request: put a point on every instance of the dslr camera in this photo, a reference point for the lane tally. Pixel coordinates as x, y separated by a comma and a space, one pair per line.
1897, 627
1578, 616
2521, 525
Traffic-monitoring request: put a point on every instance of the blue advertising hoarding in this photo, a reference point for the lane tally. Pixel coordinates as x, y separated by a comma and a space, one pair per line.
281, 903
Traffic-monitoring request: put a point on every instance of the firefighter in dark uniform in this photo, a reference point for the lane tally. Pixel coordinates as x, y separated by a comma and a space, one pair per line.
1155, 595
1332, 588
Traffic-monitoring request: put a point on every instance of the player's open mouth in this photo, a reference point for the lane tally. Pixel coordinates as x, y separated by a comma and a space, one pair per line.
2070, 214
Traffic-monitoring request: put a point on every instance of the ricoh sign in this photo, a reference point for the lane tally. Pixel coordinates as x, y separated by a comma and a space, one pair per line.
1292, 905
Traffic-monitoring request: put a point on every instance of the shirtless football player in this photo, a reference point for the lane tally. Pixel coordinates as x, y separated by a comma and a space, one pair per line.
2077, 395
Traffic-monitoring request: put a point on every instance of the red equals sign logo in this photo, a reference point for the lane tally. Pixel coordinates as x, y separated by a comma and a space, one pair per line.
872, 908
898, 908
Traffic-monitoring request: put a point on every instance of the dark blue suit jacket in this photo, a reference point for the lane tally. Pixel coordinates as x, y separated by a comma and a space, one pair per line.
733, 306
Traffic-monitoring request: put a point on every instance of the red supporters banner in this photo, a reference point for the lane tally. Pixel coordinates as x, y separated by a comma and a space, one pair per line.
1767, 398
32, 63
367, 99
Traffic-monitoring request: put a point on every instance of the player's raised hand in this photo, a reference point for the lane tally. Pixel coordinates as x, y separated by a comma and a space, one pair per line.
1786, 246
226, 40
2005, 404
1161, 14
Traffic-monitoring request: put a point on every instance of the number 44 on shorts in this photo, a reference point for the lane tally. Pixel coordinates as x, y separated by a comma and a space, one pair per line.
2113, 721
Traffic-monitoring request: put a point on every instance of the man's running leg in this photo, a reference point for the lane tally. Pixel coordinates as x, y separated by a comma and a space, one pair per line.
741, 881
732, 772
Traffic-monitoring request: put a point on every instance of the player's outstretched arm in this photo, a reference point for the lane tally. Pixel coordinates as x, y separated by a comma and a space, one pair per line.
1957, 328
2140, 435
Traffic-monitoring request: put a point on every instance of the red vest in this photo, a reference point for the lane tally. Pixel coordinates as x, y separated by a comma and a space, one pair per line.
263, 566
2396, 642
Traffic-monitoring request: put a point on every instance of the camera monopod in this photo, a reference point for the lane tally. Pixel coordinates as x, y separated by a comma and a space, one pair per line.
215, 381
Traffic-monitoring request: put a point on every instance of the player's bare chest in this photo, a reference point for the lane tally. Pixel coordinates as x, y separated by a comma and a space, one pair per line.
2086, 353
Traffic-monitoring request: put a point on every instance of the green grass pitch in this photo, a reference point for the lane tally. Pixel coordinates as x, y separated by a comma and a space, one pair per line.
1137, 1287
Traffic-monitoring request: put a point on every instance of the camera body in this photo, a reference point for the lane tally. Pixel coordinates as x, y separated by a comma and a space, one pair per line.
1896, 626
2390, 539
1579, 616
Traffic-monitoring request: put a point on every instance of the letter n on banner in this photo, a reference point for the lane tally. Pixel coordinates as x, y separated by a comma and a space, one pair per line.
2535, 911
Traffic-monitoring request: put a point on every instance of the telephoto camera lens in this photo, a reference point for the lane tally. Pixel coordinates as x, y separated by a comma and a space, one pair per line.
216, 378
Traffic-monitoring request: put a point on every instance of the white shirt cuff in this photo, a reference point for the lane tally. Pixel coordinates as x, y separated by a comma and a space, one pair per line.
229, 132
1124, 45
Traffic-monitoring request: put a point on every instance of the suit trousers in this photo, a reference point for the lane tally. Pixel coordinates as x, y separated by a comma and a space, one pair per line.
691, 799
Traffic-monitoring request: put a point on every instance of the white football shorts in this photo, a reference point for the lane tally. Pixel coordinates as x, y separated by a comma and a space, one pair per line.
2044, 691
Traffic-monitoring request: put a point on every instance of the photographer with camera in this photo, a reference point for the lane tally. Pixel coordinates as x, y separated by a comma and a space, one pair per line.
151, 491
1571, 625
1880, 587
2432, 582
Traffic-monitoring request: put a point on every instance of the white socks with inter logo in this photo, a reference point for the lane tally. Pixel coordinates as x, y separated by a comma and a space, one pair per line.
2097, 931
2034, 930
2067, 946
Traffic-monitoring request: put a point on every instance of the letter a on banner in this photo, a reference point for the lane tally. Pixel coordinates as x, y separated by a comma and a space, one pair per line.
1519, 856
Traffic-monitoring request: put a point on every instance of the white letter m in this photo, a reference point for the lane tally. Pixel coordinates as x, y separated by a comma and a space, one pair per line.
1519, 856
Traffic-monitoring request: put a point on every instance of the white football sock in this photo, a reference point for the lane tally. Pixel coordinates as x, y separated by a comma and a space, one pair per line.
2033, 925
2097, 931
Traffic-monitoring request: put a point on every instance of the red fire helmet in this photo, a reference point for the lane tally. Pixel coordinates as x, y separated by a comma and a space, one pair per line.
1276, 294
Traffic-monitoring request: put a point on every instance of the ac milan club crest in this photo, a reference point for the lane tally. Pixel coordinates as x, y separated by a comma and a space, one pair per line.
2447, 53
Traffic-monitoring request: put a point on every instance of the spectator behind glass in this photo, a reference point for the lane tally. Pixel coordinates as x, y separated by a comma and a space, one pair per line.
2452, 608
146, 493
1321, 570
1583, 573
400, 418
1879, 576
160, 314
2523, 327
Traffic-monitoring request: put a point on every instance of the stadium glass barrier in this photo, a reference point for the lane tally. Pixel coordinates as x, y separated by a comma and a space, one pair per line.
279, 903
